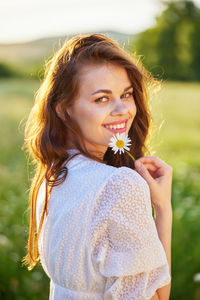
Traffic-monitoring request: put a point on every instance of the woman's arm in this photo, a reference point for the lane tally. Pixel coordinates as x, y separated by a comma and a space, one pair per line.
163, 221
159, 177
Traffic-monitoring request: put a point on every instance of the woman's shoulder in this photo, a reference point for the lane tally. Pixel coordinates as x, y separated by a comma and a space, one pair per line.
105, 174
122, 186
126, 176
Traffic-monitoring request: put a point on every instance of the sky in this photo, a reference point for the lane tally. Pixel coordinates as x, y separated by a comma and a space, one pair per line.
26, 20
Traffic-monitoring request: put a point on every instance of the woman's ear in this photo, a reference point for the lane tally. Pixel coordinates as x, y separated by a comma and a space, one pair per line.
60, 111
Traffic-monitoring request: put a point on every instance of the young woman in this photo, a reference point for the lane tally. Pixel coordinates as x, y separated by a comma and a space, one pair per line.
96, 236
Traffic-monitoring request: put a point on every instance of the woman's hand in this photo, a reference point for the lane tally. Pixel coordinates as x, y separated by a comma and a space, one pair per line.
159, 178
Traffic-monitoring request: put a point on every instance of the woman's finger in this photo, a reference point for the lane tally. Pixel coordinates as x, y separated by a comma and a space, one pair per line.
142, 170
154, 172
152, 159
149, 166
155, 161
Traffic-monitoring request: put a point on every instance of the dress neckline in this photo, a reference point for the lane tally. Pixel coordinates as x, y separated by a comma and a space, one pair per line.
72, 151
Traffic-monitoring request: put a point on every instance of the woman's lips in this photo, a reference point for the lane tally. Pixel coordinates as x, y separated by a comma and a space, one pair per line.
119, 130
117, 122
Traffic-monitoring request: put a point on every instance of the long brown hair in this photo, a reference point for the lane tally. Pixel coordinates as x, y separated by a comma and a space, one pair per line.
47, 135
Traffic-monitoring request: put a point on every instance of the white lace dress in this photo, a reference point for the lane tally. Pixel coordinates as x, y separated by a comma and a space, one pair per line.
99, 240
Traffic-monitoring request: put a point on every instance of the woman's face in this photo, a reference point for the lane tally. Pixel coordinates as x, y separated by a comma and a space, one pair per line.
105, 97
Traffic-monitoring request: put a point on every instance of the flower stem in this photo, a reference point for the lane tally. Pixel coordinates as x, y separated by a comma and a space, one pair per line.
129, 155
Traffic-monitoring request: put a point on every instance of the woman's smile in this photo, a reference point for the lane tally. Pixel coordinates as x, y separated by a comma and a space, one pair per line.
122, 127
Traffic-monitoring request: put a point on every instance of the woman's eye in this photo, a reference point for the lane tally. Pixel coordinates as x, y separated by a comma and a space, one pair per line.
127, 95
99, 99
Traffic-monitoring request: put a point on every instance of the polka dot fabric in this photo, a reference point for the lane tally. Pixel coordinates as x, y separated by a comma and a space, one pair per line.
99, 240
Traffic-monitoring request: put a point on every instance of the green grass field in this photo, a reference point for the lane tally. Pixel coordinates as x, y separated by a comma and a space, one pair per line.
177, 142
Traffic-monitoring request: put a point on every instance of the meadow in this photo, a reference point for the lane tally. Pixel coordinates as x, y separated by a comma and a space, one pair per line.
176, 140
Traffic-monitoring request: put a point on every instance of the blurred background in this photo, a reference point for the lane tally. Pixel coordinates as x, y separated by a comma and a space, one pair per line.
166, 36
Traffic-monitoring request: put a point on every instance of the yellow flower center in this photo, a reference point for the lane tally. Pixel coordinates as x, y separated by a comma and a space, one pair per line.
120, 144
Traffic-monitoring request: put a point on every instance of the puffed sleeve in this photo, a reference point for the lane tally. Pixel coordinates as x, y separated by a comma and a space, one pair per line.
125, 245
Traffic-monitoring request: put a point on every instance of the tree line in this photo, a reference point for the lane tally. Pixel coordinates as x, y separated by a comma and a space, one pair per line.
171, 48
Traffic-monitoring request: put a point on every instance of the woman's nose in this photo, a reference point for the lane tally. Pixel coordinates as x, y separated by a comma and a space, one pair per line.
119, 107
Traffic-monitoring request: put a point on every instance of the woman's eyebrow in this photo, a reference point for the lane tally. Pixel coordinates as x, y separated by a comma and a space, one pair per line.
109, 91
127, 88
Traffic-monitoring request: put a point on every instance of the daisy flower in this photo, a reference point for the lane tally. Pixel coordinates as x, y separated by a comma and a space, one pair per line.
120, 143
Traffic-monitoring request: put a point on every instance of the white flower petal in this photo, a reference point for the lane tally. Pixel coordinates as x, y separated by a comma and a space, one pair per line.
126, 148
111, 144
114, 138
128, 139
118, 135
115, 148
115, 151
